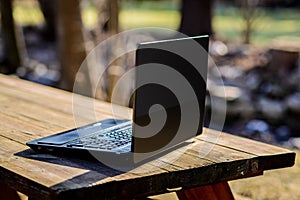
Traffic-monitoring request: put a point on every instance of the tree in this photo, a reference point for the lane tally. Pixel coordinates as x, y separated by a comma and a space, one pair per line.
12, 58
249, 13
49, 10
196, 17
71, 44
108, 18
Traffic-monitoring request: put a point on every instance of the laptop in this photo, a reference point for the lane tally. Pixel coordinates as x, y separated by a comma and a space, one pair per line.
168, 107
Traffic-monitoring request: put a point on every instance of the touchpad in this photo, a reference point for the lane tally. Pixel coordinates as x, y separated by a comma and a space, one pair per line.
60, 139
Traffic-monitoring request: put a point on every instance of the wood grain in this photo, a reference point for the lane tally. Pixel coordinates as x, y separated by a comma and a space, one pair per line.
29, 111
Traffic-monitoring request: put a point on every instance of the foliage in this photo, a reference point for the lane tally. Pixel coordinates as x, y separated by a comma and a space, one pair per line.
227, 22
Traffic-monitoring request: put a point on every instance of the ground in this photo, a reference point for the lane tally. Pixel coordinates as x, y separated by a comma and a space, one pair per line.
278, 184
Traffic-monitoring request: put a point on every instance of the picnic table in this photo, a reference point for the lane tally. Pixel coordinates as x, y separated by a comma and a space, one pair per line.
29, 111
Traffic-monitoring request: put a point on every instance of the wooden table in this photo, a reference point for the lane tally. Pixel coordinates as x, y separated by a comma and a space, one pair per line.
29, 111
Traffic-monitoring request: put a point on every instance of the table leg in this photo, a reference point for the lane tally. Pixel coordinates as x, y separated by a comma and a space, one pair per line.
8, 193
219, 191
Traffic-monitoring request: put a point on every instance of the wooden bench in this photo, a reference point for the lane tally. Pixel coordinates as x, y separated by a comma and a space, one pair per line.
29, 111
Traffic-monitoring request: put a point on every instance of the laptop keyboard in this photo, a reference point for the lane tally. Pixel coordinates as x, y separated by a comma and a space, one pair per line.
105, 141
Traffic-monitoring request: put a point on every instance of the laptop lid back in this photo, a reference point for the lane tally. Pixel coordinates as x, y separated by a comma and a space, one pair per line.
170, 93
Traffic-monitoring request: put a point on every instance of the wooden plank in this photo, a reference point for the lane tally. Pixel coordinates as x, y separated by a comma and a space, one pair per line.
49, 175
219, 191
62, 105
51, 97
270, 156
56, 173
22, 109
191, 174
37, 125
243, 144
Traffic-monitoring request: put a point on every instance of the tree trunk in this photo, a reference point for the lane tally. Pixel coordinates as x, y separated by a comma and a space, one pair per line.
108, 16
12, 57
196, 17
71, 45
113, 21
49, 9
249, 14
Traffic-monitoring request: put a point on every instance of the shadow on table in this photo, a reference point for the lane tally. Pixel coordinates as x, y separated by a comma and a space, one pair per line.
87, 164
96, 182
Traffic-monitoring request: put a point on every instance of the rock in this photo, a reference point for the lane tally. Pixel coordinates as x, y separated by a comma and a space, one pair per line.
230, 93
218, 48
285, 55
257, 126
272, 109
293, 103
293, 80
266, 82
253, 81
273, 90
267, 137
282, 133
237, 100
235, 50
295, 142
259, 130
231, 72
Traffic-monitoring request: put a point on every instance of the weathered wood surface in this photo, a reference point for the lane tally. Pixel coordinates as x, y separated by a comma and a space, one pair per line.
29, 111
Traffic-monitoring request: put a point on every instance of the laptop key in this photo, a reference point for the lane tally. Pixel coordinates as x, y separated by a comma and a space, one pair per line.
107, 141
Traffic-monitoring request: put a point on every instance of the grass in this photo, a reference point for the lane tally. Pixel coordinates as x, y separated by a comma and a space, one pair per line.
268, 24
27, 13
227, 22
278, 184
139, 18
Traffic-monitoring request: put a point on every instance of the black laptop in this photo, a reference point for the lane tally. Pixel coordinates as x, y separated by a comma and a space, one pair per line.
168, 107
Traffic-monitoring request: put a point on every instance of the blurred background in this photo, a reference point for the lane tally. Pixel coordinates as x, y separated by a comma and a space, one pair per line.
254, 43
